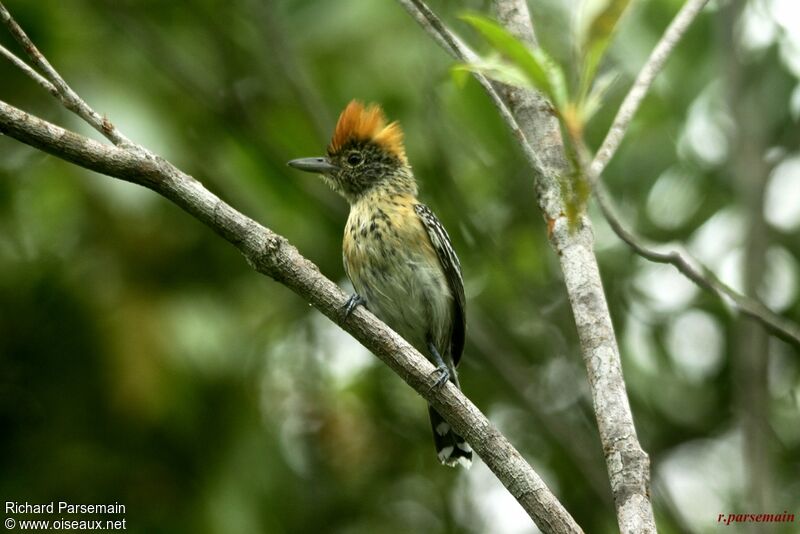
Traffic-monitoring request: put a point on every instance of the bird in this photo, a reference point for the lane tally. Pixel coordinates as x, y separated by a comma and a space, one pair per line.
396, 252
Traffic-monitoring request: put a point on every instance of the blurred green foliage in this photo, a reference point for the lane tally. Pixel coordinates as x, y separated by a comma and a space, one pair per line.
142, 361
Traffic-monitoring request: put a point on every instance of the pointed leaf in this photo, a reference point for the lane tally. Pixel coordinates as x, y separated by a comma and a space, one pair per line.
540, 72
496, 69
598, 37
604, 24
555, 76
594, 100
460, 74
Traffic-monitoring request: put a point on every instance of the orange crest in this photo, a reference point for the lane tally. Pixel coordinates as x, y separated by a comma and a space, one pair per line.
359, 123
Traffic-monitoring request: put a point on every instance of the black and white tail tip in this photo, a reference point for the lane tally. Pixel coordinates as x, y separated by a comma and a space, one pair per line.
451, 448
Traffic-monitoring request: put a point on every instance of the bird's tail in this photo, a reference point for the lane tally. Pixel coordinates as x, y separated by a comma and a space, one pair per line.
451, 448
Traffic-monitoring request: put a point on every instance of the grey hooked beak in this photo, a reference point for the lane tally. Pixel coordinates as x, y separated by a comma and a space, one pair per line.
318, 165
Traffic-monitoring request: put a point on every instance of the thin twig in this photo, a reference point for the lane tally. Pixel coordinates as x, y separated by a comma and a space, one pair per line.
448, 40
24, 67
273, 256
528, 116
653, 65
699, 274
627, 464
66, 95
692, 269
432, 24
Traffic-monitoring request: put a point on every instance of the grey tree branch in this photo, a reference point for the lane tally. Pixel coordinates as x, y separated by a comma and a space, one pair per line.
31, 73
700, 275
691, 268
445, 38
434, 26
272, 255
653, 65
68, 97
627, 464
528, 115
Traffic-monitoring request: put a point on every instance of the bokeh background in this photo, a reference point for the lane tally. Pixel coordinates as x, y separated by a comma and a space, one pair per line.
143, 362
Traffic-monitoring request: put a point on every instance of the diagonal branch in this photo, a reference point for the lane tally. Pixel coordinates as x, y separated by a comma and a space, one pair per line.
30, 72
539, 134
653, 65
434, 26
700, 275
272, 255
64, 92
692, 269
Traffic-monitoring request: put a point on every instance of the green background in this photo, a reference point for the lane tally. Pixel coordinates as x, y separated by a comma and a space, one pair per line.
142, 361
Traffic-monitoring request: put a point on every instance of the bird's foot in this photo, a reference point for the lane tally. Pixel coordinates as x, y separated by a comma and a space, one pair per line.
352, 303
444, 376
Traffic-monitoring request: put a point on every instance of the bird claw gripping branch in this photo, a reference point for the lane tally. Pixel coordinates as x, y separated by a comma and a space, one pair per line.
354, 301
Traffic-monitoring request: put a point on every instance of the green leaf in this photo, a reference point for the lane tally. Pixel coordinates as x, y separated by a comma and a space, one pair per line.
597, 38
555, 76
594, 100
460, 74
575, 189
496, 69
603, 25
542, 72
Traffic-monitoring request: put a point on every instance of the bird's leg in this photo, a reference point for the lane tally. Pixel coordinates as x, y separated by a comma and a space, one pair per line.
352, 303
441, 367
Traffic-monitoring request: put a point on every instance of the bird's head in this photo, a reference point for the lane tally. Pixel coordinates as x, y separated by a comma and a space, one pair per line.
365, 153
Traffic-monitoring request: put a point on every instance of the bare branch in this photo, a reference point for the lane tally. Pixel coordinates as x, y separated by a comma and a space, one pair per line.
700, 275
653, 65
448, 40
24, 67
693, 270
511, 367
436, 29
272, 255
64, 92
528, 115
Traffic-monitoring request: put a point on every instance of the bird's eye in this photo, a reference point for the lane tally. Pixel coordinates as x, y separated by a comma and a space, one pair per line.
354, 158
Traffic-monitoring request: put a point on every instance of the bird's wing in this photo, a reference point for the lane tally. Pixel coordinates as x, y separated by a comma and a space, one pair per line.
452, 270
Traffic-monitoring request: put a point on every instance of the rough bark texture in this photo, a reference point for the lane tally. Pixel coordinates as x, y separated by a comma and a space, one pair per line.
55, 84
531, 121
627, 464
271, 254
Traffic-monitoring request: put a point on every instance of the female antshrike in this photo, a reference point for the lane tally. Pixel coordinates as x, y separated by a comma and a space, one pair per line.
396, 252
